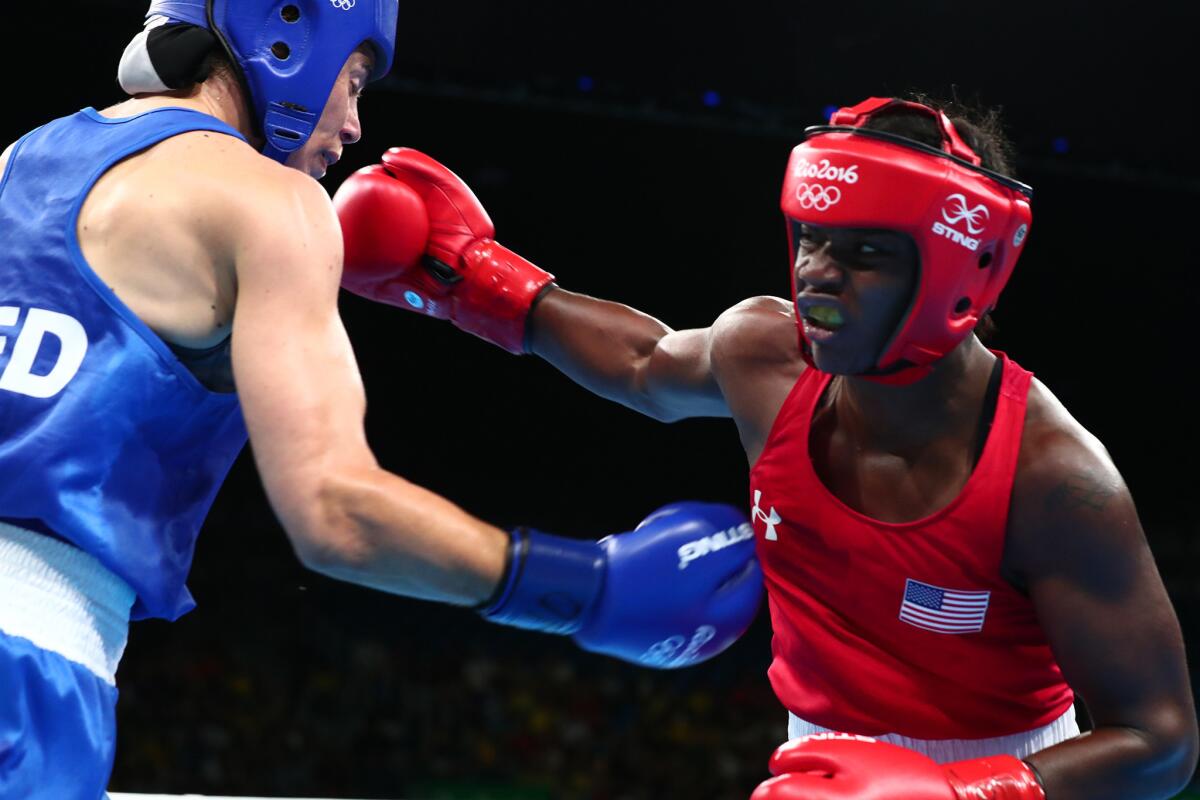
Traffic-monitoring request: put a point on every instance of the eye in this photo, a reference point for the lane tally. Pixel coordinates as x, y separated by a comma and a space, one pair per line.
807, 237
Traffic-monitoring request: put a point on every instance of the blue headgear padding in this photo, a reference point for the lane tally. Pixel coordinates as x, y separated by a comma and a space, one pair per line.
290, 53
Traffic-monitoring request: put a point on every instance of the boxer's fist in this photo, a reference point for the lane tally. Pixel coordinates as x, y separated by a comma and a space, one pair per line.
417, 237
677, 590
839, 766
385, 230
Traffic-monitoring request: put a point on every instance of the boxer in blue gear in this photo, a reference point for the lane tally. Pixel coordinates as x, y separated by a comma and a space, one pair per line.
154, 261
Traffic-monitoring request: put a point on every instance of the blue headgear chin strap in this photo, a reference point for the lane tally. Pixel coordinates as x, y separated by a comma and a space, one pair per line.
289, 53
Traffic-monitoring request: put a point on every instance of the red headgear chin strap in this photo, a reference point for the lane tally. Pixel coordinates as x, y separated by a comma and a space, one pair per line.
969, 223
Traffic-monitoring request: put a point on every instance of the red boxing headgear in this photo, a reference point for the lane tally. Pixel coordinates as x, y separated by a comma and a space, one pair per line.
968, 223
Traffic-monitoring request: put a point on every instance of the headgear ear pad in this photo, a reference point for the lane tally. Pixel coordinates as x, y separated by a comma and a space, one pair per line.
969, 223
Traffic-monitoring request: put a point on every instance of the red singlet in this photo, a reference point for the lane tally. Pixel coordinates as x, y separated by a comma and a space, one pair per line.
900, 628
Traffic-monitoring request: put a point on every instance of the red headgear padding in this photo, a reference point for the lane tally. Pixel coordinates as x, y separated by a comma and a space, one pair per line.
968, 223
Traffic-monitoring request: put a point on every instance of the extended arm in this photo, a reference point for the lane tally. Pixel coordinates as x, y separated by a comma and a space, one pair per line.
304, 404
677, 590
418, 238
627, 356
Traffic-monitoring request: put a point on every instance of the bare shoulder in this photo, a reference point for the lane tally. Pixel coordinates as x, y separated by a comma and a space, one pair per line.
1057, 451
1069, 498
231, 176
757, 330
291, 231
755, 356
249, 206
278, 204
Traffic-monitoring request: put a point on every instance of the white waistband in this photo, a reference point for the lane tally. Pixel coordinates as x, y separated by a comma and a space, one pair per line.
63, 600
944, 751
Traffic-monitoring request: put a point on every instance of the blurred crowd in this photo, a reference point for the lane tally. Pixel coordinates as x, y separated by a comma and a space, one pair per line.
429, 715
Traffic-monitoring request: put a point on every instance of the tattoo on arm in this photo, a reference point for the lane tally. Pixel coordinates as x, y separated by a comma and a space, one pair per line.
1079, 491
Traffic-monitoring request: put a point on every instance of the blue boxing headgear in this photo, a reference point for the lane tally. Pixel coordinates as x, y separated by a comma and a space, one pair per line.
290, 53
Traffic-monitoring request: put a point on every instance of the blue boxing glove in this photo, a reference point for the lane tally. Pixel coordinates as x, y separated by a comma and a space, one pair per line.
677, 590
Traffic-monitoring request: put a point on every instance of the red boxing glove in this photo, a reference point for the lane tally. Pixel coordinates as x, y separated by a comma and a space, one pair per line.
417, 237
838, 766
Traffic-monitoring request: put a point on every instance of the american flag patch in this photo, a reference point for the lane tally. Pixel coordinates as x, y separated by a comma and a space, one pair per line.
943, 610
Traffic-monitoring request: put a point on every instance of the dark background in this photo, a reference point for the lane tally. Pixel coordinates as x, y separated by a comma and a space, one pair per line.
636, 150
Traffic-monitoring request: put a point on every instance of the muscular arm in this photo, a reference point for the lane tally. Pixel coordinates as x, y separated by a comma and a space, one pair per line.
627, 356
304, 404
1082, 553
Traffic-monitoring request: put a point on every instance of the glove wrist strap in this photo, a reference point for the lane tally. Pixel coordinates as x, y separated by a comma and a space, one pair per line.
499, 291
549, 584
994, 778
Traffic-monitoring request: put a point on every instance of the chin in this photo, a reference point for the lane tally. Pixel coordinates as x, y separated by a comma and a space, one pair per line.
317, 166
311, 164
839, 363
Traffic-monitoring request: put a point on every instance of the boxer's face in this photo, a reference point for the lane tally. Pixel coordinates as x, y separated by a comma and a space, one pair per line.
852, 285
339, 124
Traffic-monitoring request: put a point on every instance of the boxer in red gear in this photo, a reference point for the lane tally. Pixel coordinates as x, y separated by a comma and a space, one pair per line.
949, 555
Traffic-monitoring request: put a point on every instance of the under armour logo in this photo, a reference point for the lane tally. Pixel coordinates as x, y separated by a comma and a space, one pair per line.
771, 519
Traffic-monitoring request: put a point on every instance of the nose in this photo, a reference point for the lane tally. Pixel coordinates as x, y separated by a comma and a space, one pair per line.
818, 270
352, 129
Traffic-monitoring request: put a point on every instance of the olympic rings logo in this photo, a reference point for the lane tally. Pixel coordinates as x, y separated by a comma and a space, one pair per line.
817, 197
678, 651
661, 653
344, 5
